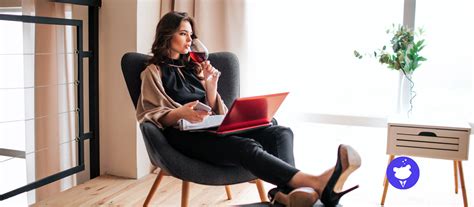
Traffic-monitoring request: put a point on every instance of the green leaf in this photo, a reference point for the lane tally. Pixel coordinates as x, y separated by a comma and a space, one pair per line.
419, 49
357, 54
422, 58
419, 43
403, 51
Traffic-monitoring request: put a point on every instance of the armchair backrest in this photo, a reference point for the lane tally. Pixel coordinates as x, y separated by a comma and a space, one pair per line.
229, 83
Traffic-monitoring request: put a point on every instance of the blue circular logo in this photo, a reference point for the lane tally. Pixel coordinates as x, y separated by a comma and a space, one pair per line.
403, 173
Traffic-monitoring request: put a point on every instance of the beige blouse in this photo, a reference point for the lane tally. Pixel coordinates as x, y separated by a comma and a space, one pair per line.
154, 103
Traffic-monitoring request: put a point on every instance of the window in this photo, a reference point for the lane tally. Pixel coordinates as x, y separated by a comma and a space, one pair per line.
13, 171
444, 84
307, 47
38, 109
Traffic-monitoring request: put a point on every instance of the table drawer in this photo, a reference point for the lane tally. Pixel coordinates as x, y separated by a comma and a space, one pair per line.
428, 142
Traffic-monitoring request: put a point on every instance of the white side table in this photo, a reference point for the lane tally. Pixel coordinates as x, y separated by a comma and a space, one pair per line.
425, 138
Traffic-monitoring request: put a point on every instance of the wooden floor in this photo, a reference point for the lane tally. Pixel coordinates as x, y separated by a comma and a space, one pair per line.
116, 191
315, 150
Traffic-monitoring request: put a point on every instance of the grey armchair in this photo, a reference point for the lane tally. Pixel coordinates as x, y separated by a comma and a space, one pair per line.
170, 160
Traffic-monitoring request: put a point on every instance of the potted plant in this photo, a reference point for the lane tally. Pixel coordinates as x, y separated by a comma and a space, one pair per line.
403, 55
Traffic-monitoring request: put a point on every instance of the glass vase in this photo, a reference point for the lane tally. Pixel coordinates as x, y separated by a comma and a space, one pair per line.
406, 94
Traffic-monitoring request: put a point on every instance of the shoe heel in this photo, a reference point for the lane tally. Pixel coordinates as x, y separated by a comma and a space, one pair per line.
348, 160
333, 199
340, 194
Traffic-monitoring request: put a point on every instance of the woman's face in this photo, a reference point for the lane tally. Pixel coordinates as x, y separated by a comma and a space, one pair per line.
181, 40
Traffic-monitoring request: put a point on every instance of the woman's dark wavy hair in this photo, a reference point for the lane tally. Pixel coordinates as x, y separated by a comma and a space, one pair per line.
166, 28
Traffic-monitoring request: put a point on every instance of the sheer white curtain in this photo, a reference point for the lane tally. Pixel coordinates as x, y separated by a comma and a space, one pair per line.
12, 107
37, 111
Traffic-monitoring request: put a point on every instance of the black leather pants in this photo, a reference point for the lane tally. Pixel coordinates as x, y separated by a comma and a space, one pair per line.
266, 152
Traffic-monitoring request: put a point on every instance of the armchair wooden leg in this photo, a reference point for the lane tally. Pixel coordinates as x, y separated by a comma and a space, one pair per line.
455, 177
154, 188
185, 194
261, 190
229, 193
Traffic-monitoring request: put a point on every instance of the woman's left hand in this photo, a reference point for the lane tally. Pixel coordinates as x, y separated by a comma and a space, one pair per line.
210, 73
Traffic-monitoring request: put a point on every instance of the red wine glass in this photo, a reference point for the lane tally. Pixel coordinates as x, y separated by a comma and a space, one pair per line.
198, 51
199, 54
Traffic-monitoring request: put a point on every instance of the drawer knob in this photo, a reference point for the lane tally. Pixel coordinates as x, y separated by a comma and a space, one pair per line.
427, 134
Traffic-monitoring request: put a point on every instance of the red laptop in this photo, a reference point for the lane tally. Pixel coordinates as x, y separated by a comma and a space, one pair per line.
250, 112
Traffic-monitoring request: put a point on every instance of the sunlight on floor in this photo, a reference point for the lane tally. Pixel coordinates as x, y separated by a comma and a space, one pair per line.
316, 150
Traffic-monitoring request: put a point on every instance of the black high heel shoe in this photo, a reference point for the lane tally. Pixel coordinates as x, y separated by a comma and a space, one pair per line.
348, 160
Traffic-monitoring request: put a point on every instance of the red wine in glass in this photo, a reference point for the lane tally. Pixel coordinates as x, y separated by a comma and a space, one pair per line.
198, 56
198, 51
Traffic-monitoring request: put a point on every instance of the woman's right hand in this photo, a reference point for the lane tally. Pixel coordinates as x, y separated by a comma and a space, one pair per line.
187, 112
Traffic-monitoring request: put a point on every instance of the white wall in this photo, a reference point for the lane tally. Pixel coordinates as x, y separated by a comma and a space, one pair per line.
147, 19
122, 25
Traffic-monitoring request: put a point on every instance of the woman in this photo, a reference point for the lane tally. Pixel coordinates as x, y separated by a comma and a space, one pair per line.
172, 85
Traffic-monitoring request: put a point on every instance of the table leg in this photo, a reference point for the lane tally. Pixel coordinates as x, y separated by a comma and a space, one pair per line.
385, 183
455, 176
390, 158
463, 187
